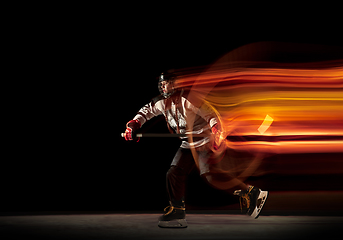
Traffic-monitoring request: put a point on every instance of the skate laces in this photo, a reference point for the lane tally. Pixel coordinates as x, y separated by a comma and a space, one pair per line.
244, 198
171, 208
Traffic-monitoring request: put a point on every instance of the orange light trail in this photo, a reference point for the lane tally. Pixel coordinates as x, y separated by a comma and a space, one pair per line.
278, 108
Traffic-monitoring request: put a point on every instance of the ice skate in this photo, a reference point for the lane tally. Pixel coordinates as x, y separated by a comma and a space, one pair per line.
174, 217
254, 199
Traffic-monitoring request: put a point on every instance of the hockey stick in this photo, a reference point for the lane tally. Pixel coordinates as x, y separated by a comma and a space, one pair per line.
264, 126
166, 135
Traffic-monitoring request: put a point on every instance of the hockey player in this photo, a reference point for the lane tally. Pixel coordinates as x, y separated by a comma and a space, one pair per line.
176, 108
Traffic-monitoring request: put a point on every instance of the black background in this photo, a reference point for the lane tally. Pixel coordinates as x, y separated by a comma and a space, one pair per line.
65, 152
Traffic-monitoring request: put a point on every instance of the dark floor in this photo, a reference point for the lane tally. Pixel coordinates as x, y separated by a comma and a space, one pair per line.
286, 215
144, 226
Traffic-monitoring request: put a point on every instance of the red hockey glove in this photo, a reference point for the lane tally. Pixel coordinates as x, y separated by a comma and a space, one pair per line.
216, 135
131, 128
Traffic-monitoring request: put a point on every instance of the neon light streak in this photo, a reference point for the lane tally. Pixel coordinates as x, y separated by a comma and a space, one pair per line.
266, 124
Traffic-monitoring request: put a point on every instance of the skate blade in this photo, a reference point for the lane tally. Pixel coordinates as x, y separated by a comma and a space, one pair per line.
177, 223
261, 200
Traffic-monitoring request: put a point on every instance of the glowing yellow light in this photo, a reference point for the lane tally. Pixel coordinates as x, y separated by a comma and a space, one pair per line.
266, 124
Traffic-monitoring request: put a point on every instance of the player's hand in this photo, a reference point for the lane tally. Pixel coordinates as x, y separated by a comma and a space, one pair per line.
130, 132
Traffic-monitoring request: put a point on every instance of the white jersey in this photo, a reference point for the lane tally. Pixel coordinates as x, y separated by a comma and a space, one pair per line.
177, 110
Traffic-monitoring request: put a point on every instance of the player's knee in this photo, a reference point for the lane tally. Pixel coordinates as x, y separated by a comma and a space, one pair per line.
175, 171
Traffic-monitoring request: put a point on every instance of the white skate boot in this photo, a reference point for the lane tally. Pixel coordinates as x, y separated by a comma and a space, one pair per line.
254, 199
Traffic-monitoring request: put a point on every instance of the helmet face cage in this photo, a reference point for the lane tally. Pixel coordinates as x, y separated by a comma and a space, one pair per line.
161, 79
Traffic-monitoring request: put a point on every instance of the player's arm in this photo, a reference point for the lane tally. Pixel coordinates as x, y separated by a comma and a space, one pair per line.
148, 111
210, 117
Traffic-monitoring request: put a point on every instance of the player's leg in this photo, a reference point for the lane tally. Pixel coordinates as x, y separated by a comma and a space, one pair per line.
176, 179
251, 197
223, 181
